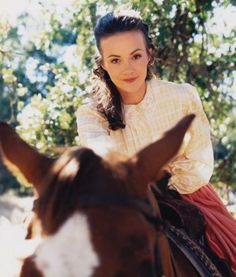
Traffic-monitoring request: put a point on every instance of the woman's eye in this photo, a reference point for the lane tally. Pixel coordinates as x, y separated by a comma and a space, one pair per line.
115, 61
137, 56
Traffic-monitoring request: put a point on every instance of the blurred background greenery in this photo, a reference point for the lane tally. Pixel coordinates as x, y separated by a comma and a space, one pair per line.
47, 56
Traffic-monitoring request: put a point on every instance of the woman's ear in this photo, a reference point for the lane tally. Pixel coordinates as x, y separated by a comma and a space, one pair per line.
103, 65
150, 55
100, 61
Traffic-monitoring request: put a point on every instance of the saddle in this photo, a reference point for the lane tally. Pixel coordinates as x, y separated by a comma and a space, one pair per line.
178, 212
187, 217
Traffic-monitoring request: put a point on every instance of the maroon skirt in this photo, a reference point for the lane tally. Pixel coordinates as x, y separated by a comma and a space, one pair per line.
220, 225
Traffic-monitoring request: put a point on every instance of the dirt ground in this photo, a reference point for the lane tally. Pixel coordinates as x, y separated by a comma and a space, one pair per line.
14, 212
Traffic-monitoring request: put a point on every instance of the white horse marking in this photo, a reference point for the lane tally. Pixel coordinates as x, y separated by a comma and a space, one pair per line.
69, 252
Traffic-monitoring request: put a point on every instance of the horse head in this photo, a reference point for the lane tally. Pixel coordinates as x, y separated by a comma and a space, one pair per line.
81, 239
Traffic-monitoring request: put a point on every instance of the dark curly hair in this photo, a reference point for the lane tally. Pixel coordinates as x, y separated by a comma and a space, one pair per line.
105, 92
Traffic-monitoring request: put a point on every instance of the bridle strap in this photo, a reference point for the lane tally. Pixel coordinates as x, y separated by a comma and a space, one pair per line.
167, 266
104, 200
91, 201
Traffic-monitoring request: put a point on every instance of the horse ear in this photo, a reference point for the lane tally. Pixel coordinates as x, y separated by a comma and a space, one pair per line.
20, 156
147, 163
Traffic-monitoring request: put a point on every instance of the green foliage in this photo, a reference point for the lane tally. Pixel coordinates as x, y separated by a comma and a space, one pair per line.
45, 68
50, 121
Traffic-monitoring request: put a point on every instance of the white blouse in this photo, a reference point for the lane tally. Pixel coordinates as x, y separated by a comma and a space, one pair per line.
163, 105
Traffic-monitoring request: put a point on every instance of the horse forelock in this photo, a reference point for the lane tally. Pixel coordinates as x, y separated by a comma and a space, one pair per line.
68, 252
73, 173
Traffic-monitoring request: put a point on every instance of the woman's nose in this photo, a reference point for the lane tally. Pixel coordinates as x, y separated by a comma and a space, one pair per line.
128, 67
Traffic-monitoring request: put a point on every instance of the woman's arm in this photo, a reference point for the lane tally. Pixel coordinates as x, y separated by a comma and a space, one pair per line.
93, 130
194, 167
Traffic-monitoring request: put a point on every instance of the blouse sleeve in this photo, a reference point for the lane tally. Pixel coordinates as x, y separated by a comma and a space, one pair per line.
193, 168
93, 130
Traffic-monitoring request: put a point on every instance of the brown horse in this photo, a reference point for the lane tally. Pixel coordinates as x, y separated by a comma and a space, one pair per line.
93, 212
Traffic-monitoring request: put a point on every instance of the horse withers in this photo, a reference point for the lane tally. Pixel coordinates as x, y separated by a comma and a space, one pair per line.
93, 211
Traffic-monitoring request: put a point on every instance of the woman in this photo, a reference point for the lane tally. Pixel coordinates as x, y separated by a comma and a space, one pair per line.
131, 108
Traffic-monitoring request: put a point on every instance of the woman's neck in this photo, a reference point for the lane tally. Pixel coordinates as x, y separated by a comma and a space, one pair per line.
133, 98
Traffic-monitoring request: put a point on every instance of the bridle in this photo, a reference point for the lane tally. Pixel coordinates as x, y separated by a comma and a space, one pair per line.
142, 206
150, 210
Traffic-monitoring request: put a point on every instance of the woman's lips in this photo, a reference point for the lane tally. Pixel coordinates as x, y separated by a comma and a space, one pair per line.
130, 80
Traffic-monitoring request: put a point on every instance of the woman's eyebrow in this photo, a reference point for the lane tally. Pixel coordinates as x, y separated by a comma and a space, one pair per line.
117, 56
138, 49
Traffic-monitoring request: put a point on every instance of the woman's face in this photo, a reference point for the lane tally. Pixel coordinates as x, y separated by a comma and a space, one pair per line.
125, 58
